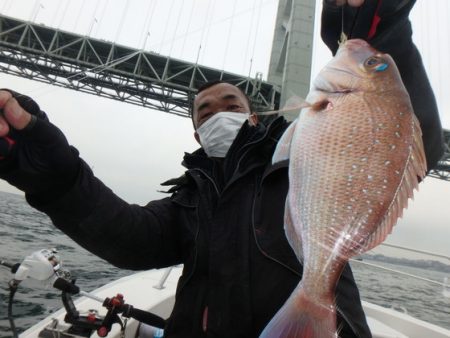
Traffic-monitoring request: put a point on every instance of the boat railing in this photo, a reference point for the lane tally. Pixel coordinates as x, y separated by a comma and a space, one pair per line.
429, 253
444, 283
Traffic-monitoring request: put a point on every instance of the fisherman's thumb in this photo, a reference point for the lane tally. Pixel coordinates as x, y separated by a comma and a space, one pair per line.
40, 160
17, 117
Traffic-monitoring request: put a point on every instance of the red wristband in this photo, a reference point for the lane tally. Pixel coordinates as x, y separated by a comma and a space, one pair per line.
10, 142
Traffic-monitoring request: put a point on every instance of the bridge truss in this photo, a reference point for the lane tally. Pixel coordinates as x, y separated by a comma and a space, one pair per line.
121, 73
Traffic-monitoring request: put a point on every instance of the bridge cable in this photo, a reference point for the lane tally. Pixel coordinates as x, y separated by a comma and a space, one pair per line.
35, 10
165, 27
258, 20
176, 27
188, 27
8, 6
4, 6
78, 16
249, 35
203, 31
94, 19
227, 44
55, 15
122, 20
64, 13
148, 19
102, 14
208, 27
184, 35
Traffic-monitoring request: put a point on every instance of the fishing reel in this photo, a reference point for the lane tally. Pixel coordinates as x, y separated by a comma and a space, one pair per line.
45, 265
41, 265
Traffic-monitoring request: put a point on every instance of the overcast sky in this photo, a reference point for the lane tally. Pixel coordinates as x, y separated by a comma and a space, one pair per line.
133, 149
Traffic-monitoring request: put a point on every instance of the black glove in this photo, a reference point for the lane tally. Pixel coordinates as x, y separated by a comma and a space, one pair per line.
38, 160
371, 22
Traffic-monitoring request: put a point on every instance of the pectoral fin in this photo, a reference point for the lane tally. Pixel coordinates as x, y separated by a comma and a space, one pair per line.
284, 144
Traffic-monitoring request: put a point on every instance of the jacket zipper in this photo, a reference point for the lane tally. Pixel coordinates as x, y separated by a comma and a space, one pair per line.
197, 232
194, 264
248, 145
289, 268
210, 179
257, 243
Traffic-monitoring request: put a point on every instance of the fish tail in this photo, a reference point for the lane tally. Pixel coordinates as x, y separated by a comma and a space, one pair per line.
302, 317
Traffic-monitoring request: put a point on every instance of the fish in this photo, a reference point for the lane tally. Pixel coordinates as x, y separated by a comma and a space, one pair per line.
355, 158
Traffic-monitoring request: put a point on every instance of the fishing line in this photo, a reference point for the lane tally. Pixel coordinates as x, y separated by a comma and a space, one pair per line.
355, 18
284, 110
343, 38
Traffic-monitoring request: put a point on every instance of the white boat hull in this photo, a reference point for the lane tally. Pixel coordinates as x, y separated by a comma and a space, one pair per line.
143, 292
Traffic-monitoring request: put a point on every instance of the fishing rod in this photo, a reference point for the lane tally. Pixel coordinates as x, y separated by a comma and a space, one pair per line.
45, 265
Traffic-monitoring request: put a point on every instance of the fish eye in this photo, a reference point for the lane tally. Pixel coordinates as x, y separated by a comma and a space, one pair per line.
373, 60
376, 63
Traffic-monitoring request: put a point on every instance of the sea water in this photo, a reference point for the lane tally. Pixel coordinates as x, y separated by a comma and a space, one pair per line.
24, 230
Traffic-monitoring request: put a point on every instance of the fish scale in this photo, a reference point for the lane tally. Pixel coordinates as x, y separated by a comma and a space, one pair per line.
355, 156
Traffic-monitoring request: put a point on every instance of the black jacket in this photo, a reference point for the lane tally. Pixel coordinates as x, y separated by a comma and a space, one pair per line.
224, 222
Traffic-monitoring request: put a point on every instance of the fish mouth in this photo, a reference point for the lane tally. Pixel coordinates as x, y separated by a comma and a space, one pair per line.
326, 81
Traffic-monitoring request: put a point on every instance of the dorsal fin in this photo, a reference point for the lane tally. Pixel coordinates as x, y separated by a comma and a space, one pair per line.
416, 167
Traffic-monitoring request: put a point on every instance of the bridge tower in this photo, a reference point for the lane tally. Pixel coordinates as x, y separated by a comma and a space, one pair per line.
290, 62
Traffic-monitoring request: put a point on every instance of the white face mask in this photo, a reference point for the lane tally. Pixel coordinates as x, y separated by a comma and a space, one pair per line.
219, 131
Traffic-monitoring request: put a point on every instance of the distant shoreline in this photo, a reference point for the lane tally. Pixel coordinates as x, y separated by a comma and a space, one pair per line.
415, 263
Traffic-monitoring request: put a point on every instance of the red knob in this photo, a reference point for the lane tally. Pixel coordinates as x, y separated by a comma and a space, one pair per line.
102, 332
91, 317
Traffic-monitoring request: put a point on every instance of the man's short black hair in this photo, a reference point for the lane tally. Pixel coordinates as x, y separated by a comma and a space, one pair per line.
213, 83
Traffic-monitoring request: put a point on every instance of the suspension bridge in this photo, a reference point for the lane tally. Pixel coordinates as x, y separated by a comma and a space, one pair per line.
163, 83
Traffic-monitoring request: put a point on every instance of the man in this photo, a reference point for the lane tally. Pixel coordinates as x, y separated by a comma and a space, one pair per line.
224, 218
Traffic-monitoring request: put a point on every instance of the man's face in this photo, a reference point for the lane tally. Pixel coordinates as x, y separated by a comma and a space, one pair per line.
219, 98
